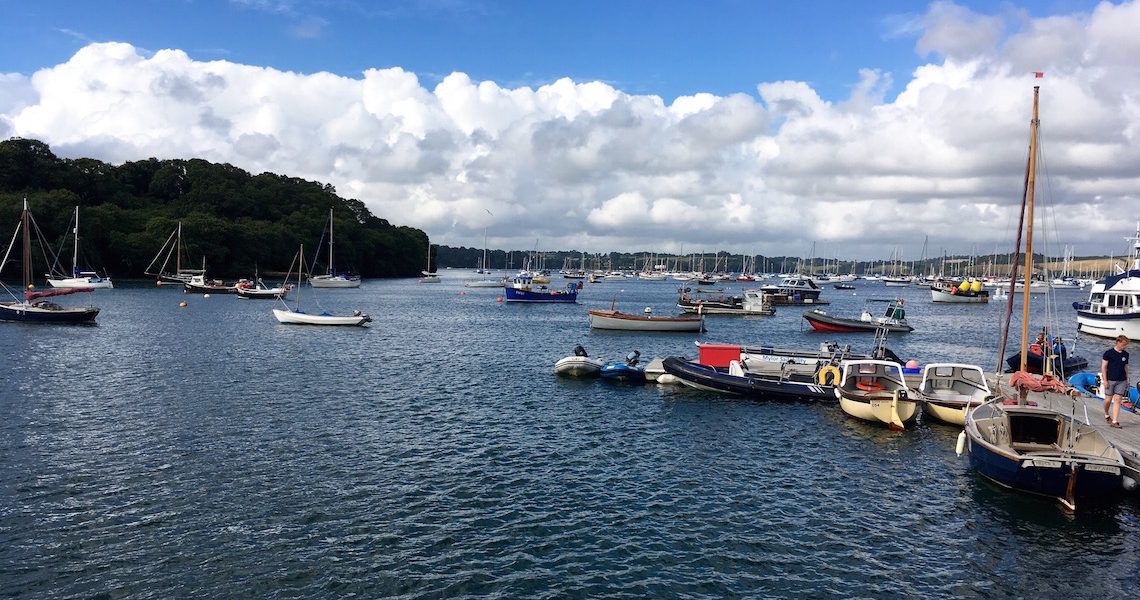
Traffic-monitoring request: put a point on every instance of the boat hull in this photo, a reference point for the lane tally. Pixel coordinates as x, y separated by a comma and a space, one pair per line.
893, 412
31, 313
1046, 476
981, 297
622, 372
81, 282
289, 317
334, 281
1109, 326
193, 288
267, 294
619, 321
1034, 363
578, 366
824, 322
708, 378
950, 413
511, 294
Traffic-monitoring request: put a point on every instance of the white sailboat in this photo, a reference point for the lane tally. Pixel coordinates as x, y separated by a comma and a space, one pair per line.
296, 316
79, 279
172, 247
332, 279
427, 275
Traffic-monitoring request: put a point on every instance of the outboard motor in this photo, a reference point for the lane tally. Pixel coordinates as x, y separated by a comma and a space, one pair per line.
632, 358
580, 351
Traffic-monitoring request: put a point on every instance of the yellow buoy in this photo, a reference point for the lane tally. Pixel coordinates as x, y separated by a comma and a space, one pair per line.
965, 287
182, 304
31, 286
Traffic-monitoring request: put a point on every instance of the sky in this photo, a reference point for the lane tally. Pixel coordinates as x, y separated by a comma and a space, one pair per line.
750, 126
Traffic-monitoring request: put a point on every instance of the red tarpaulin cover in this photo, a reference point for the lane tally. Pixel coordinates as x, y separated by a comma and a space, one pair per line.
29, 295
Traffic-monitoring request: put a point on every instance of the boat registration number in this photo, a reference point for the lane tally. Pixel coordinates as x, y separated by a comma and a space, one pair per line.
1041, 462
1103, 469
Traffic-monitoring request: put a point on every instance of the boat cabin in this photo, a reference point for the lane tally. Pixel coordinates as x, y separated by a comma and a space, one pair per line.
864, 377
953, 381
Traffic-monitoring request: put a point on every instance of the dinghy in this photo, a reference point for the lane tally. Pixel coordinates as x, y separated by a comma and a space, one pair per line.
875, 390
950, 390
579, 364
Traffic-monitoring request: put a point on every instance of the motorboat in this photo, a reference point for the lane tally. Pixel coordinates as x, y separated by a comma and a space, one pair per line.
486, 283
892, 320
950, 390
797, 289
626, 371
198, 284
616, 320
1113, 307
579, 366
736, 380
524, 289
785, 361
716, 302
79, 278
843, 286
876, 391
966, 292
896, 281
257, 290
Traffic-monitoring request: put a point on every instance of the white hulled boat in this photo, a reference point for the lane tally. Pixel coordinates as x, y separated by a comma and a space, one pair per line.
876, 391
332, 279
79, 279
1113, 307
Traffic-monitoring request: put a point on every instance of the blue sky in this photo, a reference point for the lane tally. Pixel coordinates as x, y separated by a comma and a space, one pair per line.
665, 48
623, 125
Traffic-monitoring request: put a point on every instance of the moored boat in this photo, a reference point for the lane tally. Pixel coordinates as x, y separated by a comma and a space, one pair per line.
523, 289
876, 391
626, 371
716, 302
296, 316
579, 364
35, 308
1113, 307
331, 278
966, 292
893, 320
616, 320
950, 390
736, 380
797, 289
257, 290
79, 278
198, 284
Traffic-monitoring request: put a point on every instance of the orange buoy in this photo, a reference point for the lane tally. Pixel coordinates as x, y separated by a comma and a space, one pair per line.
499, 299
182, 304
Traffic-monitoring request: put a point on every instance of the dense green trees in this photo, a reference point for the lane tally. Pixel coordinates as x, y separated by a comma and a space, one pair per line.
231, 218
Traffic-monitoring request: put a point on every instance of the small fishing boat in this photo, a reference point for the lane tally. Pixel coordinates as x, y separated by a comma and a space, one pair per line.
843, 286
257, 290
625, 371
876, 391
616, 320
967, 292
295, 316
715, 302
736, 380
523, 289
198, 284
798, 289
893, 319
950, 390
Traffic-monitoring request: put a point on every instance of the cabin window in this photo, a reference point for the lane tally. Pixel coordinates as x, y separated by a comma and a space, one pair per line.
944, 371
1026, 429
1097, 298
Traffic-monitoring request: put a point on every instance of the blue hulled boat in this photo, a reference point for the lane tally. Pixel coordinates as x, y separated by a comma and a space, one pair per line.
523, 289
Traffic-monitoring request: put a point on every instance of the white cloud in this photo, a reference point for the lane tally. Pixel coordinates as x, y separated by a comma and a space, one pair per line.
585, 165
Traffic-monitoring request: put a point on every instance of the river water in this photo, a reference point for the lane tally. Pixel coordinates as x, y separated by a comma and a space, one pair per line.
208, 451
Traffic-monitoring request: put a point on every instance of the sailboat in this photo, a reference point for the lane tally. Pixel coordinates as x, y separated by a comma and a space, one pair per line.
35, 308
485, 269
79, 279
172, 247
332, 279
429, 276
1040, 445
296, 316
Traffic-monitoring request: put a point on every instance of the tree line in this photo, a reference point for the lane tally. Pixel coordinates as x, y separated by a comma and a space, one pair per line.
232, 220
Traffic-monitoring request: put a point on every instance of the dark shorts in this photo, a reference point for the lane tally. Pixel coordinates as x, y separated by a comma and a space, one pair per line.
1115, 388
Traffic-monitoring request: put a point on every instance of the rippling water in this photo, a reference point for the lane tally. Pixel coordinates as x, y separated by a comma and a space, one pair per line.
209, 451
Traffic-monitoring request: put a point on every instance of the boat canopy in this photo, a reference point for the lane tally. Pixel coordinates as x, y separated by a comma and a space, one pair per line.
30, 295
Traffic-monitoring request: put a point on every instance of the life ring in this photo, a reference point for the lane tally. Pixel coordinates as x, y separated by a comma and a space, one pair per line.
873, 386
821, 377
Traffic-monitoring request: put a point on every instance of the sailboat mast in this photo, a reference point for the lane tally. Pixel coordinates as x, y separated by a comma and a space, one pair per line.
27, 249
1030, 181
75, 248
330, 241
178, 254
